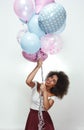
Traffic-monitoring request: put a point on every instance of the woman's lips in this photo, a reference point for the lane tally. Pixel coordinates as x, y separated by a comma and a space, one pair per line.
47, 82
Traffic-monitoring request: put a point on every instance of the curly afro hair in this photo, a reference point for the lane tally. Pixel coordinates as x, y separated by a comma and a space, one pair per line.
62, 85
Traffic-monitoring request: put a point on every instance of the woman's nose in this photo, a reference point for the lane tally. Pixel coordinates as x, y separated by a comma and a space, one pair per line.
50, 79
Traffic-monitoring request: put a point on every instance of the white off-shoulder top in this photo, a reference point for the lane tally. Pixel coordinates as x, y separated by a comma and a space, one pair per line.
35, 99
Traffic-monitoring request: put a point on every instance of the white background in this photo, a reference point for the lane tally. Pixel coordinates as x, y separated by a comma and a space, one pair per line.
67, 114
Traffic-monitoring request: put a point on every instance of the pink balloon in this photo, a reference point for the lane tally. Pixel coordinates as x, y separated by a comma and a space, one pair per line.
34, 57
51, 43
41, 3
24, 9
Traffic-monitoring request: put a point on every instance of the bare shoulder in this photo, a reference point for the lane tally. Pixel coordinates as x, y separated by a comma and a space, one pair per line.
51, 95
31, 84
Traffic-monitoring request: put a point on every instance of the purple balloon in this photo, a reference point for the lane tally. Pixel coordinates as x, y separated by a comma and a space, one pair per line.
34, 57
24, 9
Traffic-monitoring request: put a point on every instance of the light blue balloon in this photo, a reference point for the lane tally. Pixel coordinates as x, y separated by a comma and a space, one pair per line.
33, 26
52, 17
30, 43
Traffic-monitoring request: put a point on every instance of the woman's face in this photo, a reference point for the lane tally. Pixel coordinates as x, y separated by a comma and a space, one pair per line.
51, 81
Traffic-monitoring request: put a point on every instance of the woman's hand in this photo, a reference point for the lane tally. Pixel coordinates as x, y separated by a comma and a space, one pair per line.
43, 88
39, 63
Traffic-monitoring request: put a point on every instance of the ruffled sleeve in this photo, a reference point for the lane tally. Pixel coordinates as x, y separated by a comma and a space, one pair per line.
53, 98
35, 86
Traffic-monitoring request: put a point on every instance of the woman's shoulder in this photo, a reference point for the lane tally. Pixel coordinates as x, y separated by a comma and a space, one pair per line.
52, 96
36, 85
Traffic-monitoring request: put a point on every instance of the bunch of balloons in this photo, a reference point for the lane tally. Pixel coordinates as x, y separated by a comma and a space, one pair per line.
45, 20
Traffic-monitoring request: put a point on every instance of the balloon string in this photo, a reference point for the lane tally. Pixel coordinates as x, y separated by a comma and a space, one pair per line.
42, 74
40, 115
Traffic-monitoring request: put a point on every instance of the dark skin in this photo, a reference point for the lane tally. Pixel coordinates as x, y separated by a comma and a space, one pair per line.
43, 87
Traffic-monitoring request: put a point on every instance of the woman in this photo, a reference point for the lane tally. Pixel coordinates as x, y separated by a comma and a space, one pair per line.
56, 85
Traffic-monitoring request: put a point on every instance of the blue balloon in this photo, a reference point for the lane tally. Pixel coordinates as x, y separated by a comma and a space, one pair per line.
33, 26
52, 17
30, 43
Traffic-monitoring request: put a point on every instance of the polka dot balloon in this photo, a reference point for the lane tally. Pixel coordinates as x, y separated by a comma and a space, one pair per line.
52, 17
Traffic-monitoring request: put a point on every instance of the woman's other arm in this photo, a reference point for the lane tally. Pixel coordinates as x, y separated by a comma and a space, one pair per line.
47, 103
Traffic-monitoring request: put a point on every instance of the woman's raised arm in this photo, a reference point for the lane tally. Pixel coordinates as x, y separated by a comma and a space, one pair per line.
30, 77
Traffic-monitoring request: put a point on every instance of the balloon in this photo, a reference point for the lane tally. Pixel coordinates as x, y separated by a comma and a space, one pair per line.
33, 26
61, 29
30, 43
34, 57
40, 4
24, 9
24, 22
51, 43
52, 17
20, 34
